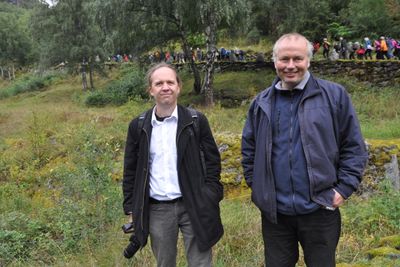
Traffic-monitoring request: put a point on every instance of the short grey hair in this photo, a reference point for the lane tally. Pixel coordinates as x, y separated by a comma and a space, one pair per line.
293, 35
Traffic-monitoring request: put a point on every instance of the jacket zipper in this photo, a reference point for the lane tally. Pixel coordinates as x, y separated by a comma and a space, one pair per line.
306, 151
145, 177
291, 152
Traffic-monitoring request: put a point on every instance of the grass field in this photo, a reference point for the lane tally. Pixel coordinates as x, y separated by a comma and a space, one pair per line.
61, 167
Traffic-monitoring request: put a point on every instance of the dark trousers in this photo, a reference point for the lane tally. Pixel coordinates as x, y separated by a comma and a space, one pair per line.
318, 234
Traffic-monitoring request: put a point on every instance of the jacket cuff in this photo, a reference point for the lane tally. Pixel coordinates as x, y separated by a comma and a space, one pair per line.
344, 190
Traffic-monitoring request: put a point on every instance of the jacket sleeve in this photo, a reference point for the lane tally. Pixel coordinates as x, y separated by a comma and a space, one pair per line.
130, 162
353, 155
248, 146
212, 158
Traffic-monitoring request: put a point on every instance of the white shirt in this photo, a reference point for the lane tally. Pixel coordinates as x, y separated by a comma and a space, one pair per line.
164, 183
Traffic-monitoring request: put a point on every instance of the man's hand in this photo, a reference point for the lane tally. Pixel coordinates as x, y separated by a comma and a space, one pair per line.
130, 218
338, 200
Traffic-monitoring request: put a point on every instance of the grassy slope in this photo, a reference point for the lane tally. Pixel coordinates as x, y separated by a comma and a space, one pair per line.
58, 111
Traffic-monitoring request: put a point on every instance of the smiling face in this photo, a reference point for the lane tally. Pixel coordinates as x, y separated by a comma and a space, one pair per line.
164, 87
291, 59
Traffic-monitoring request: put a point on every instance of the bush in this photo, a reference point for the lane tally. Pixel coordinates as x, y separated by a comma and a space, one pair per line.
119, 92
23, 238
28, 84
254, 36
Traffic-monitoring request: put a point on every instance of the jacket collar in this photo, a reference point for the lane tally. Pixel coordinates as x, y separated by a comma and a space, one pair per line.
265, 98
184, 118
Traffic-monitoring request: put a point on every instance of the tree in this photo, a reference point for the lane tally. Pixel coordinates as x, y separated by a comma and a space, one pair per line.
15, 45
190, 17
373, 17
309, 17
67, 33
213, 13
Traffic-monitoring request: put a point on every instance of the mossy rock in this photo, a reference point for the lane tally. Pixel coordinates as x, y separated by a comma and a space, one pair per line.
351, 265
387, 252
229, 146
391, 241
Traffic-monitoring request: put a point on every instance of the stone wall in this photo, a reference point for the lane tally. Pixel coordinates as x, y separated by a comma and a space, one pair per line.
377, 72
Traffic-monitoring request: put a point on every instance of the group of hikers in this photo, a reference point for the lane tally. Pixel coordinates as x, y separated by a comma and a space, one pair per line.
382, 48
198, 55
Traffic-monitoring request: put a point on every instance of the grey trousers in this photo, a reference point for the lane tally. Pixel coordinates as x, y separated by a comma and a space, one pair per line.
165, 222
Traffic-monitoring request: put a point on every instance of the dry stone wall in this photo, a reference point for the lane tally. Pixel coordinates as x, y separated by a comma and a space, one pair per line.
383, 73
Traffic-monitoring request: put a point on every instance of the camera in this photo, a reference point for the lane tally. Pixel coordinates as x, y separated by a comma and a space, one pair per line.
134, 244
127, 228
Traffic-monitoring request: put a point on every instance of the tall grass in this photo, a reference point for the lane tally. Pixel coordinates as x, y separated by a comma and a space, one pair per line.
61, 168
377, 107
242, 243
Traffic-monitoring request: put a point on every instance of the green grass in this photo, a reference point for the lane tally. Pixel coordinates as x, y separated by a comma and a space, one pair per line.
61, 168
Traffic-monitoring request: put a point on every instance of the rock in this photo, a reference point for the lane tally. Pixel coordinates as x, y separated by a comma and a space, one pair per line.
392, 171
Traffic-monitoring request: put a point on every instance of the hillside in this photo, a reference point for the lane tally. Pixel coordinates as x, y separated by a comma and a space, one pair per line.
61, 167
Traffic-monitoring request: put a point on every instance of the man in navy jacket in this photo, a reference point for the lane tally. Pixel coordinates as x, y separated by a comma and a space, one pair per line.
303, 155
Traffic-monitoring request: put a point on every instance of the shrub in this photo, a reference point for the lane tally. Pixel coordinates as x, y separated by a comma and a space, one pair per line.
28, 84
119, 92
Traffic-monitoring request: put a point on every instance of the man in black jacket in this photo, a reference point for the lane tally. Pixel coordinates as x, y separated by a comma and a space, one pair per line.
172, 175
303, 155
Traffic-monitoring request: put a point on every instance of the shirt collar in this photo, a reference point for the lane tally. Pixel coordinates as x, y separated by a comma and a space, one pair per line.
299, 86
174, 115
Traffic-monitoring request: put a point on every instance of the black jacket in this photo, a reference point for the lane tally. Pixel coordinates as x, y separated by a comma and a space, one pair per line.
201, 193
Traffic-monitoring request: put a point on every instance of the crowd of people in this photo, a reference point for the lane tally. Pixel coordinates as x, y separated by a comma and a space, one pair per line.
198, 55
120, 58
380, 48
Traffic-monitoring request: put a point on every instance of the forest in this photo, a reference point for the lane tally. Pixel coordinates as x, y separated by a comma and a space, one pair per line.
40, 34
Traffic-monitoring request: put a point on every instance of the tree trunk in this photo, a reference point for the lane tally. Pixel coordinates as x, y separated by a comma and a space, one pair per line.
84, 81
210, 32
91, 76
2, 72
13, 72
195, 70
9, 73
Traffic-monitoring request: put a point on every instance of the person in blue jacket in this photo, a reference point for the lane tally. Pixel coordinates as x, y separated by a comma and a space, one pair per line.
303, 156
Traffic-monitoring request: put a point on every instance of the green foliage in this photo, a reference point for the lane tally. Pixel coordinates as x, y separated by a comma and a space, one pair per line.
379, 215
28, 83
66, 32
254, 36
118, 92
336, 30
373, 17
196, 40
79, 202
61, 168
15, 43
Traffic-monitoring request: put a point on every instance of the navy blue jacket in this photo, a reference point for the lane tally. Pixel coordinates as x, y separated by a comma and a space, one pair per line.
331, 138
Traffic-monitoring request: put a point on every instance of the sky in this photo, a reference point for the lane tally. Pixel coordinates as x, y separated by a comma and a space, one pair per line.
50, 2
